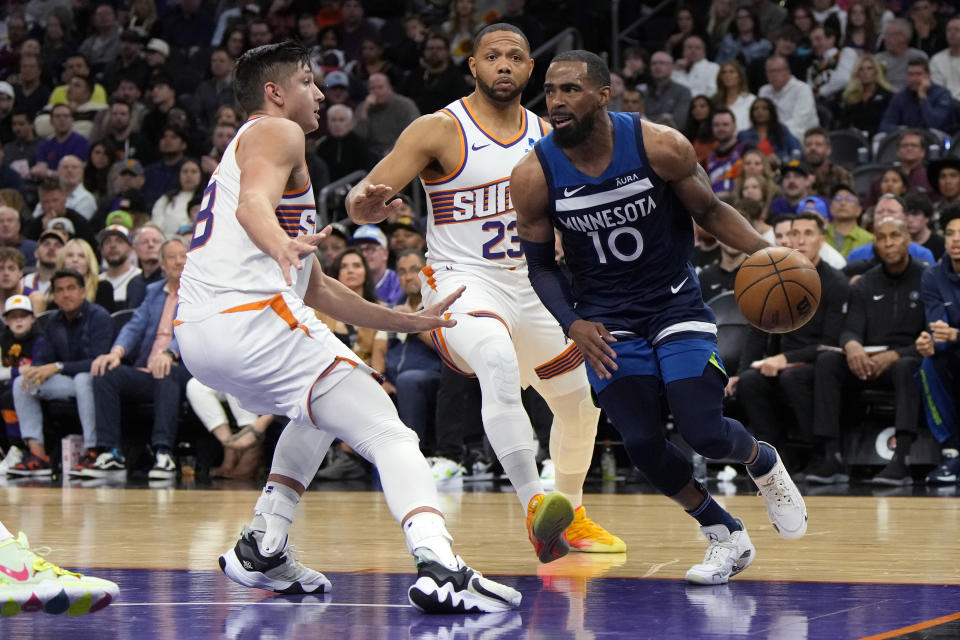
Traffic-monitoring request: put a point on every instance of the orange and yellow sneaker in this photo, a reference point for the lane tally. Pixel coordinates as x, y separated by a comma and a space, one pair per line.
548, 516
585, 535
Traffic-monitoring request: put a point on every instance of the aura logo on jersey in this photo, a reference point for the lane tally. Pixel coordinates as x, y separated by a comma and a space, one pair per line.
462, 205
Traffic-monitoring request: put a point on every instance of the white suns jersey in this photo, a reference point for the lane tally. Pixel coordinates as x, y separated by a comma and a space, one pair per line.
471, 217
224, 267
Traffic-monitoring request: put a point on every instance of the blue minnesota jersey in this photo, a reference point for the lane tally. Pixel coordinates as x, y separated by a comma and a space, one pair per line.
627, 240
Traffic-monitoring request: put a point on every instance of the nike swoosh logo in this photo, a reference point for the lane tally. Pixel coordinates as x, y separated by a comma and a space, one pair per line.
476, 148
879, 297
947, 304
713, 286
19, 576
569, 192
679, 286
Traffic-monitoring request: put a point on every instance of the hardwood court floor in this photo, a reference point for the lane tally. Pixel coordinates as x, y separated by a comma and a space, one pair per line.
885, 557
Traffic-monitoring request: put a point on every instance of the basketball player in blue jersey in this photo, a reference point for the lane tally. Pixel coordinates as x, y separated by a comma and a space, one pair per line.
463, 155
622, 193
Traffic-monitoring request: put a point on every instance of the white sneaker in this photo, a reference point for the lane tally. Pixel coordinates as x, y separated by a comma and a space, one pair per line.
441, 590
164, 467
445, 469
727, 555
785, 506
281, 573
14, 457
548, 475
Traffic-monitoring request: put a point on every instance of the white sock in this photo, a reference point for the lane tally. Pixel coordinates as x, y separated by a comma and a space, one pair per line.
273, 515
521, 468
428, 530
4, 534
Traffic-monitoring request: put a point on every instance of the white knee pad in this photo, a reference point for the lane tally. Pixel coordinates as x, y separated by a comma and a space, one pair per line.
377, 437
299, 452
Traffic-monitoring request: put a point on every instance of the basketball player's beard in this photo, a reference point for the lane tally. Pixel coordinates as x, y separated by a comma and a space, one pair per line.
491, 93
576, 133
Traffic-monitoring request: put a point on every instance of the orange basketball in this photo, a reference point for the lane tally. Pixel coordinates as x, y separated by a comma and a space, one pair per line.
778, 290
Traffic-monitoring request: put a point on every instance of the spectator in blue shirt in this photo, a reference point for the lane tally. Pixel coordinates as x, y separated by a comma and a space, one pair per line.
921, 104
888, 205
64, 142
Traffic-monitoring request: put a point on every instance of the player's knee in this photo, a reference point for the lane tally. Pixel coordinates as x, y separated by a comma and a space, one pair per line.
575, 414
384, 436
498, 371
708, 441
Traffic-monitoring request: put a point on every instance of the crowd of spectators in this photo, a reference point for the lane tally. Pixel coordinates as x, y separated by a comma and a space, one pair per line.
113, 115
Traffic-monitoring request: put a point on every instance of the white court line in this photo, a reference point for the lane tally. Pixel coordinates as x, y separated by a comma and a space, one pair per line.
271, 604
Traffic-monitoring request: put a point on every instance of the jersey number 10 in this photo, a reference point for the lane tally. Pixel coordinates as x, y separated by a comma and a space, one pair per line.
612, 244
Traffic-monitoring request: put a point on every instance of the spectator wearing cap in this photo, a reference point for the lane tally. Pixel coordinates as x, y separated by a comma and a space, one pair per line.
793, 98
816, 205
342, 149
383, 115
129, 64
77, 333
157, 56
188, 25
48, 246
406, 235
863, 258
333, 245
919, 211
214, 92
102, 46
910, 154
7, 96
795, 183
10, 236
11, 279
944, 176
438, 82
921, 104
372, 243
337, 89
817, 153
63, 142
116, 249
18, 335
53, 205
20, 154
76, 64
147, 241
164, 175
31, 91
844, 232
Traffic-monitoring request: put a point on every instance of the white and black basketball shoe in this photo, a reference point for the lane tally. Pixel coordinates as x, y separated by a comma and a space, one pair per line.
281, 573
442, 590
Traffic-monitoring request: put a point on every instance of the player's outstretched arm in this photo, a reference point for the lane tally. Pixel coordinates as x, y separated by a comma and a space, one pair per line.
333, 298
530, 198
268, 155
672, 157
420, 145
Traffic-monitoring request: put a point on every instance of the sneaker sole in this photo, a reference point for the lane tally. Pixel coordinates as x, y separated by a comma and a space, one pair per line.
101, 473
30, 474
892, 482
72, 600
426, 596
162, 475
231, 567
549, 524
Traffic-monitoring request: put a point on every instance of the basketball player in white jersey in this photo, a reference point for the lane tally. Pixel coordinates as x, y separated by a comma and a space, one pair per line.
246, 326
463, 155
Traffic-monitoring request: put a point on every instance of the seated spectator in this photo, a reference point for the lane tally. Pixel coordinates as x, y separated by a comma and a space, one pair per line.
31, 93
116, 249
371, 242
789, 43
333, 245
663, 95
633, 103
53, 205
928, 35
70, 175
372, 61
919, 211
719, 19
767, 134
48, 246
732, 93
164, 175
796, 108
119, 131
128, 63
795, 183
96, 170
10, 235
778, 370
102, 46
170, 209
944, 176
723, 163
831, 68
18, 335
78, 256
20, 154
76, 334
897, 52
940, 287
943, 63
756, 213
187, 25
342, 149
693, 70
166, 112
11, 275
438, 82
744, 42
383, 115
685, 23
64, 141
888, 206
242, 451
818, 207
223, 133
817, 153
910, 155
894, 181
862, 27
406, 235
214, 92
147, 241
719, 277
882, 316
354, 27
85, 110
844, 232
76, 65
156, 375
412, 364
921, 104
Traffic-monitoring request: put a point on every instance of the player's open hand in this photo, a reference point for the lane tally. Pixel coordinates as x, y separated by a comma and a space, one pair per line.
293, 250
432, 317
370, 204
593, 340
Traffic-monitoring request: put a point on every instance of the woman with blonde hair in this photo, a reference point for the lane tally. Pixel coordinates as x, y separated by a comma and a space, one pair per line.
732, 93
463, 23
867, 95
719, 17
78, 255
